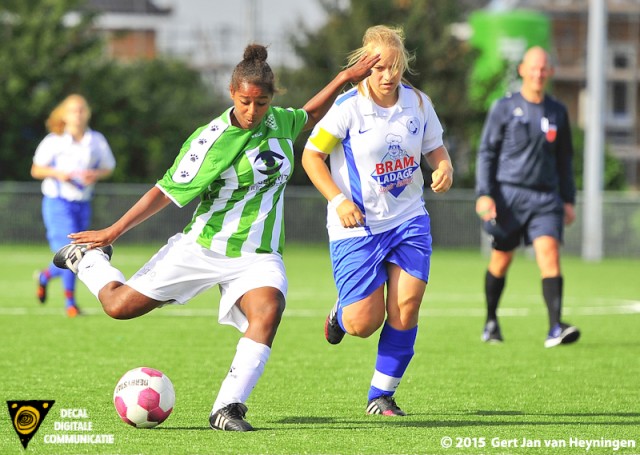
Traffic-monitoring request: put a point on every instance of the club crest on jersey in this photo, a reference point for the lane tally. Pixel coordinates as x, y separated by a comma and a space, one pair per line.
396, 169
271, 122
550, 130
268, 162
413, 125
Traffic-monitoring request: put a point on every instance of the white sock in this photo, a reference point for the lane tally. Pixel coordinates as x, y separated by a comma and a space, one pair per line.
246, 368
96, 271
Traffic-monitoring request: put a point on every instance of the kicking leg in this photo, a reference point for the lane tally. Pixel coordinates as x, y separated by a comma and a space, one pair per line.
94, 269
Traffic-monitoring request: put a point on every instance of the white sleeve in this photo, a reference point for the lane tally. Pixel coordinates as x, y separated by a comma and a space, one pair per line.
45, 152
432, 137
106, 160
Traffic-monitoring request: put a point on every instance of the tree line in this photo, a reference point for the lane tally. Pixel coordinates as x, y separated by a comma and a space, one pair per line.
147, 108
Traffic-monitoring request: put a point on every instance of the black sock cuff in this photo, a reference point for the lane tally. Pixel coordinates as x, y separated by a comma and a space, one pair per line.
492, 279
553, 283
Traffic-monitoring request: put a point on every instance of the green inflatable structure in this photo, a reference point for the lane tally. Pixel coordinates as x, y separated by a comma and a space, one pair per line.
501, 38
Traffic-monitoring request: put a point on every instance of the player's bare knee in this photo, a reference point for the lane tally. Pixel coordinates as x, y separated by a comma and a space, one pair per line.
271, 319
268, 314
110, 310
109, 300
364, 332
115, 311
117, 308
407, 316
364, 327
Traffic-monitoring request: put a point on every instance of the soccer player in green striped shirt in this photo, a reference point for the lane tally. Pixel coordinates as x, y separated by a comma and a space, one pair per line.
238, 165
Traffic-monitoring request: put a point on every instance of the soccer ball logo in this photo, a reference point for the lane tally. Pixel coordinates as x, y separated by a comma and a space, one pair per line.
144, 397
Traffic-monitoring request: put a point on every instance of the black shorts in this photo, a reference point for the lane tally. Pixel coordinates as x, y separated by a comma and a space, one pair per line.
524, 215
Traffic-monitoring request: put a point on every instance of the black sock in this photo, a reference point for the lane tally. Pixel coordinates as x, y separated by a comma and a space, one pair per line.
552, 293
493, 287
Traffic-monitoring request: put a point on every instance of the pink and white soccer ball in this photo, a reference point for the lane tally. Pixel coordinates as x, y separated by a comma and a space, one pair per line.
144, 397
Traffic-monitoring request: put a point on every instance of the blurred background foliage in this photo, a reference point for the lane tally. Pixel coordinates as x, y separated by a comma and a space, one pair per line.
147, 108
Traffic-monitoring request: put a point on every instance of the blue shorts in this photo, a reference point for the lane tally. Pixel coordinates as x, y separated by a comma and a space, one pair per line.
359, 263
524, 215
62, 217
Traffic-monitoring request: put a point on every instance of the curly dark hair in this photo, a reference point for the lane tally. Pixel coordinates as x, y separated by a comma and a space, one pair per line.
254, 69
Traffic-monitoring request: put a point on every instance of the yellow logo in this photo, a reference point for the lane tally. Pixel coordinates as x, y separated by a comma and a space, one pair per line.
27, 416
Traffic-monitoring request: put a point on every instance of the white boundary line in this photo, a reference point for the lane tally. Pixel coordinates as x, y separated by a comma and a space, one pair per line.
617, 307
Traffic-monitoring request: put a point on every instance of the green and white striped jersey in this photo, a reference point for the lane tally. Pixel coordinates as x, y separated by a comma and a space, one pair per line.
240, 176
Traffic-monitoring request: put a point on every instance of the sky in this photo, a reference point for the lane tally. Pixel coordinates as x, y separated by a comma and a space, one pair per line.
216, 31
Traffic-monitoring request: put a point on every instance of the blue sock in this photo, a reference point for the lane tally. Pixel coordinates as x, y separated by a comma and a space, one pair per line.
69, 299
44, 277
69, 284
395, 350
53, 271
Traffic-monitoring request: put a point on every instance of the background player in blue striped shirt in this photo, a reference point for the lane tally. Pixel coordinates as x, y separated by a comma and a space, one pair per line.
526, 190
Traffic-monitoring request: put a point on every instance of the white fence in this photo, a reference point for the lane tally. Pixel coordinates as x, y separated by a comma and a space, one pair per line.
453, 220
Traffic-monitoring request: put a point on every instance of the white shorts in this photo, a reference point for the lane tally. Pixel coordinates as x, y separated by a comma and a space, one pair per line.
182, 269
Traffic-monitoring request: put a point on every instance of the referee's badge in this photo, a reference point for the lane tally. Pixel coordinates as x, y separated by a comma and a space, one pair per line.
550, 130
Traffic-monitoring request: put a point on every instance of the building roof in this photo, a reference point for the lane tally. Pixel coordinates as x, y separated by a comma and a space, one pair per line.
613, 6
127, 7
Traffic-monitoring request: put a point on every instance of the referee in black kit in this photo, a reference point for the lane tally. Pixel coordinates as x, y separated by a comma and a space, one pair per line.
526, 191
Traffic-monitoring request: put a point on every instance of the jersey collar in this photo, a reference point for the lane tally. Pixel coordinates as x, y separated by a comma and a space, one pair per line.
406, 99
226, 117
86, 138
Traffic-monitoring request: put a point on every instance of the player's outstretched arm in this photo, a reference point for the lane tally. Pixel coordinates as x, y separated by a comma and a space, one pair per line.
319, 105
148, 205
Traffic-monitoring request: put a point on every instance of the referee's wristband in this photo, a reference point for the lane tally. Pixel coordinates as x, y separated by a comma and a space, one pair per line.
337, 200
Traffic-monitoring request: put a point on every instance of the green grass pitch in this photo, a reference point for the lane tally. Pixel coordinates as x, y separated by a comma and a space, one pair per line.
311, 398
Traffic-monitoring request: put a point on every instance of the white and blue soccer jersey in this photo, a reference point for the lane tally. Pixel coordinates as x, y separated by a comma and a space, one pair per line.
375, 156
239, 176
60, 151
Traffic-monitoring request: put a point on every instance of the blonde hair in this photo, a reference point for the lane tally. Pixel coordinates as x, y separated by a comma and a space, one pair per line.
388, 37
55, 122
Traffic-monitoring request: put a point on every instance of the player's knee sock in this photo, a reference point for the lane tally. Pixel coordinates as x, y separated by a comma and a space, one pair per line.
96, 271
552, 293
69, 286
246, 368
50, 272
395, 350
69, 298
44, 277
493, 287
